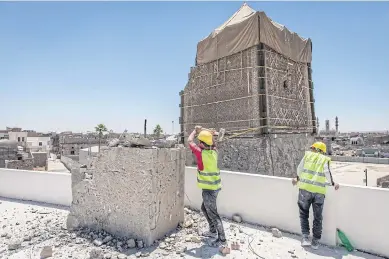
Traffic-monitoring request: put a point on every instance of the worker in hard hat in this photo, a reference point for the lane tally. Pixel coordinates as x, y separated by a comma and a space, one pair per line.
208, 179
313, 176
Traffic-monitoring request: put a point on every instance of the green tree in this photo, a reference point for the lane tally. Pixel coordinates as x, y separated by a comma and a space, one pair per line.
158, 131
100, 129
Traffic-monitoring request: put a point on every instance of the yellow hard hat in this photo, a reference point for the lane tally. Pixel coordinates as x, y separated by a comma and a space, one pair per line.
206, 137
320, 145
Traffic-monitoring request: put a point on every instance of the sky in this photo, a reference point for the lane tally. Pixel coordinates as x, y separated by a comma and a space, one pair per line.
72, 65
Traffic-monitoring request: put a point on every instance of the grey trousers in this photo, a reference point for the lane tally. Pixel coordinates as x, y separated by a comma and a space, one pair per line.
305, 200
209, 208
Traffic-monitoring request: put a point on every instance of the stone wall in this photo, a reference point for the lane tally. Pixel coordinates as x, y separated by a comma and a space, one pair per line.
222, 93
255, 88
70, 163
7, 153
381, 180
130, 192
273, 154
25, 164
40, 159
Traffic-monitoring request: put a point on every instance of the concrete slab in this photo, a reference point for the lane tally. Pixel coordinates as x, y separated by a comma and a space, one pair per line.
56, 166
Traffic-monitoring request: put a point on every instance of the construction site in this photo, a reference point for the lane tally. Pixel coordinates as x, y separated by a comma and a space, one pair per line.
252, 83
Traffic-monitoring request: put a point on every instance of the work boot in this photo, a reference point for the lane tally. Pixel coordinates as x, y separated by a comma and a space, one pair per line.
315, 244
305, 241
217, 242
209, 233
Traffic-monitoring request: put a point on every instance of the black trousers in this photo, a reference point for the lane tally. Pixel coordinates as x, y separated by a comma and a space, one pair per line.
209, 208
305, 200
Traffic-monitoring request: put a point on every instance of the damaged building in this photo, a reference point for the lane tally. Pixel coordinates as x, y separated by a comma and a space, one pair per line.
253, 77
69, 144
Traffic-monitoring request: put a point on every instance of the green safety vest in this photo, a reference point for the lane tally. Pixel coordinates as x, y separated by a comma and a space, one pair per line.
209, 177
312, 178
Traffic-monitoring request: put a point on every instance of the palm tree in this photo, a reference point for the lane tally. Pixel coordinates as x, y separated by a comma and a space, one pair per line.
100, 129
158, 131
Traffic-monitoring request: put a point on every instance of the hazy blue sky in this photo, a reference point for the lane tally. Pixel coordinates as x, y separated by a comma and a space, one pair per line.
71, 65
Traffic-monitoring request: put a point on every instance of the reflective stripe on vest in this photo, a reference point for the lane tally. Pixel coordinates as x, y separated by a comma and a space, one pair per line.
209, 177
312, 178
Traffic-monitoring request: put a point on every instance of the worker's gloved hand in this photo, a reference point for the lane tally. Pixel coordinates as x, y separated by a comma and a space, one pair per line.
336, 186
294, 181
198, 129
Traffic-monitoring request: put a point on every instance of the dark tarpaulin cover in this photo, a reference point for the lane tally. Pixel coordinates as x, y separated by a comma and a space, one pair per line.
247, 28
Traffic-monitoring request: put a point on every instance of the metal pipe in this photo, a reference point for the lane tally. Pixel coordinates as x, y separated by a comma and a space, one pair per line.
145, 127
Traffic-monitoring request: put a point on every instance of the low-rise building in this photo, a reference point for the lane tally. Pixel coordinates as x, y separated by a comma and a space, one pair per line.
71, 144
4, 134
18, 136
38, 142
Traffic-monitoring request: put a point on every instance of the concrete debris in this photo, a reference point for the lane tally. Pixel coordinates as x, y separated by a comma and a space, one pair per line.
235, 246
162, 245
96, 253
14, 244
139, 243
46, 252
114, 142
98, 242
188, 223
187, 210
184, 242
196, 239
276, 232
237, 218
107, 239
224, 250
131, 243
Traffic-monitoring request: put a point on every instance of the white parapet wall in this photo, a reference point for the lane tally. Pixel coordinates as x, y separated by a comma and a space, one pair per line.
361, 212
48, 187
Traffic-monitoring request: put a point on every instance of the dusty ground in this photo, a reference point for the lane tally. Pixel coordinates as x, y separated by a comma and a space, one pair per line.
27, 227
353, 173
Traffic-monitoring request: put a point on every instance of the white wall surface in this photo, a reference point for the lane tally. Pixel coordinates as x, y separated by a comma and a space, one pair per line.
272, 201
14, 136
48, 187
34, 141
84, 157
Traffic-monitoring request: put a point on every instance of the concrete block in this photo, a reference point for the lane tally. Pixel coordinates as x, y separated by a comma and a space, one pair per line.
131, 193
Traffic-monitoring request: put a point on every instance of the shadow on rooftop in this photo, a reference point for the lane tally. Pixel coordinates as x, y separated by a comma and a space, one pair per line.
203, 251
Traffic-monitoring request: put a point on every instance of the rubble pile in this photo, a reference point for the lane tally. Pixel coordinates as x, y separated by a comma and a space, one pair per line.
140, 141
33, 231
132, 141
44, 232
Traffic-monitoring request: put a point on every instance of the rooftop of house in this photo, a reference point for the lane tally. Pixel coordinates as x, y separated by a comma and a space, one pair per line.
27, 227
353, 173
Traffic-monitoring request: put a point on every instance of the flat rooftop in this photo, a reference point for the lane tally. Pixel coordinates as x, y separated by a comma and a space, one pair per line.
353, 173
35, 225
